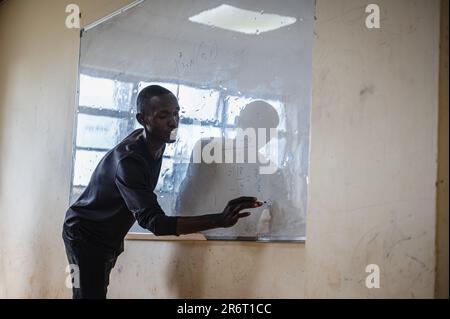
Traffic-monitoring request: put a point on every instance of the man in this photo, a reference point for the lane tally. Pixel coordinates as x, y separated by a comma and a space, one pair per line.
121, 190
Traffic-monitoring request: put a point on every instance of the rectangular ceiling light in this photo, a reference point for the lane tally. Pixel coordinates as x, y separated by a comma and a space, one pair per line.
239, 20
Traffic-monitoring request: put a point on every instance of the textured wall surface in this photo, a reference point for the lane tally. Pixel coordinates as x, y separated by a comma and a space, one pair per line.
373, 150
372, 174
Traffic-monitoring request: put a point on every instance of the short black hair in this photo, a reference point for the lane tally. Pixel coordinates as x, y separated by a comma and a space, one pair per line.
147, 93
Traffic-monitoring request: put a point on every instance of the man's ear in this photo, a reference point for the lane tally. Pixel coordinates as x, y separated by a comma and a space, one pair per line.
140, 118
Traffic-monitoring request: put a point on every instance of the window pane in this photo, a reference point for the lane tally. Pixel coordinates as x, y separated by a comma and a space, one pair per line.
235, 104
104, 93
165, 181
188, 135
85, 163
76, 192
199, 104
100, 131
170, 149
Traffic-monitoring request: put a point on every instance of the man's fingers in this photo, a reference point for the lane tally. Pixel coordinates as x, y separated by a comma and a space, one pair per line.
236, 217
245, 205
244, 214
241, 200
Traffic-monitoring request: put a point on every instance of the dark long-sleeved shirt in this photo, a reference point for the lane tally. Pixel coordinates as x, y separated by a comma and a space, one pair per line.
120, 191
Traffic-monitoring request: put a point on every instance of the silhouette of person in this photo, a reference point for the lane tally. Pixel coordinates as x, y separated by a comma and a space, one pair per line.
229, 167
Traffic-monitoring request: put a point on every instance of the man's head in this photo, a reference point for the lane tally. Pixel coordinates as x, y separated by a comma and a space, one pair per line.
158, 113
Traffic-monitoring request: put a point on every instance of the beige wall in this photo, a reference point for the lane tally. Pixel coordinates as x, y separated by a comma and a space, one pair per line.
373, 165
38, 59
373, 150
442, 202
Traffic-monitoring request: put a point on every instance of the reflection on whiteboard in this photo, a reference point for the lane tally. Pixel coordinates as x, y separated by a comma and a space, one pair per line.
242, 75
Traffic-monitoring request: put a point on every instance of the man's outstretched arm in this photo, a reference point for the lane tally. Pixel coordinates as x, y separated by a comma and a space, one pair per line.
229, 217
142, 202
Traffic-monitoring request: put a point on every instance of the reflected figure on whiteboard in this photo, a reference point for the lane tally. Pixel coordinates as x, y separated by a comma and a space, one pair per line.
221, 168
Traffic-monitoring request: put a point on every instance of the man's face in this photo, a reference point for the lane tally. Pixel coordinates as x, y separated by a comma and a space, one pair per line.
161, 118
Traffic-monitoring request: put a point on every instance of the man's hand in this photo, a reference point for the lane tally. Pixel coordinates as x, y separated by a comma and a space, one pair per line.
231, 214
229, 217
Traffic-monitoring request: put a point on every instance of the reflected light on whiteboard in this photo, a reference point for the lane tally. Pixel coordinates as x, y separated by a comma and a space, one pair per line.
239, 20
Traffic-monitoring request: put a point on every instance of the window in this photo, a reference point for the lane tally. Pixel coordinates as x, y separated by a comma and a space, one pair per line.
106, 115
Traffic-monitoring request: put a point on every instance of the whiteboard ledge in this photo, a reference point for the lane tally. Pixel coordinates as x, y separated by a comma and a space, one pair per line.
148, 236
200, 237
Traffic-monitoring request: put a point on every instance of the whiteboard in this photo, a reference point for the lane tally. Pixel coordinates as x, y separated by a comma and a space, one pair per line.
237, 68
